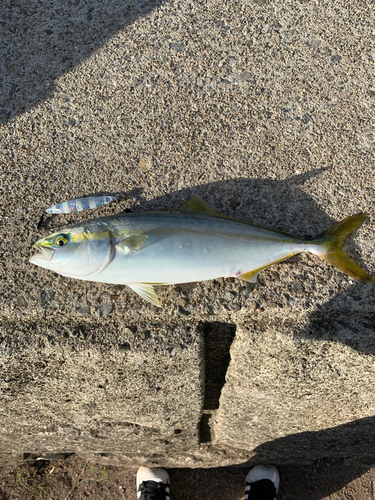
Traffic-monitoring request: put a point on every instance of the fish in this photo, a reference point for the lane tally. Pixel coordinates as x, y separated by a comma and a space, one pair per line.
191, 244
80, 204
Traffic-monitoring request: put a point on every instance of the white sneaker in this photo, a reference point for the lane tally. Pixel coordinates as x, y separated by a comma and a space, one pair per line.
152, 484
262, 483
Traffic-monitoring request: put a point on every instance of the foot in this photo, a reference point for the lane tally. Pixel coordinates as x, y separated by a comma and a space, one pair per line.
262, 483
152, 484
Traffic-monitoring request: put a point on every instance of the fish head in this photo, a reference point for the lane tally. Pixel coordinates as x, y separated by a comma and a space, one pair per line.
78, 251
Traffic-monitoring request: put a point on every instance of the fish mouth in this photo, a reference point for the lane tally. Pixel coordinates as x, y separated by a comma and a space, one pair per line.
46, 252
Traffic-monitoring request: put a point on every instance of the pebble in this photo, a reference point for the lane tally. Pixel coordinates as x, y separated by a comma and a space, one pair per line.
176, 350
145, 163
183, 311
336, 58
21, 302
297, 288
84, 311
242, 77
180, 47
104, 309
229, 296
45, 296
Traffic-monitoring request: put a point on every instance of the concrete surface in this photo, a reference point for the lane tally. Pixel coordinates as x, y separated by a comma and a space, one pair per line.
303, 384
266, 110
74, 389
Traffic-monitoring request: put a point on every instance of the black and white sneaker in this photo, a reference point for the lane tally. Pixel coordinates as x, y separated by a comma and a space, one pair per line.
152, 484
262, 483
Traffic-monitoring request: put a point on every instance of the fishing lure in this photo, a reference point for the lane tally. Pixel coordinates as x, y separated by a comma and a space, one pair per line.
80, 204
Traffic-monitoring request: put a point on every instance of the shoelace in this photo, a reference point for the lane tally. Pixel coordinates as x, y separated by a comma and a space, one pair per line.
262, 490
152, 490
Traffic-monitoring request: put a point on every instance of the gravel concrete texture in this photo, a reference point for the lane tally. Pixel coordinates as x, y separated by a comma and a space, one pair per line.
266, 110
294, 399
67, 388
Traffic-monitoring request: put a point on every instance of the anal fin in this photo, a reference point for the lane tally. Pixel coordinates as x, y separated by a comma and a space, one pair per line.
250, 276
146, 291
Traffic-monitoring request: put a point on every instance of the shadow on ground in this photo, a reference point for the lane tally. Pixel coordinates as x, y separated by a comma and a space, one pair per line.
40, 41
315, 482
271, 203
77, 478
322, 478
341, 320
348, 317
350, 441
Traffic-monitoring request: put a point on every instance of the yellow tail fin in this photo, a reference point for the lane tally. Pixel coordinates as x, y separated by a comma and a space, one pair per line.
335, 255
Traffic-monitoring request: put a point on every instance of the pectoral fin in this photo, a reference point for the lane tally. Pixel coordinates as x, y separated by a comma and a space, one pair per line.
146, 291
131, 244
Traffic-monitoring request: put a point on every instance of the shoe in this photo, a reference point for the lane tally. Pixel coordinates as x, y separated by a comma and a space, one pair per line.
262, 483
152, 484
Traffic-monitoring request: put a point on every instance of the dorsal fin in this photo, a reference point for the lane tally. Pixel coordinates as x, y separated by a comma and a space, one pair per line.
195, 204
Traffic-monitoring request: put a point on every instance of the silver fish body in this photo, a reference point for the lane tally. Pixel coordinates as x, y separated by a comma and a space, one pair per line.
191, 244
182, 248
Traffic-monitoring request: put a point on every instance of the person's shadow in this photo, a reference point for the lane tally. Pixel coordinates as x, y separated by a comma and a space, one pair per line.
40, 41
351, 444
310, 476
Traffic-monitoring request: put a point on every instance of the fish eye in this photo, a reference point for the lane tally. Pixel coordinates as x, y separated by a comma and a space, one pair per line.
61, 240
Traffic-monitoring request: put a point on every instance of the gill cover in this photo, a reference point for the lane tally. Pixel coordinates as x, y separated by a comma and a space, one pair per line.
79, 251
94, 248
